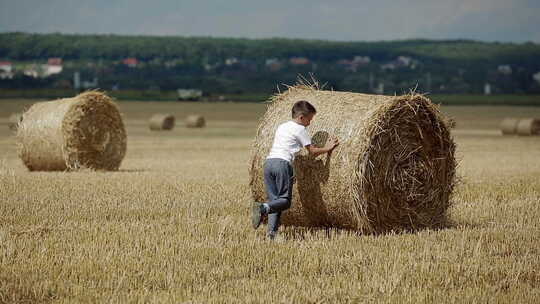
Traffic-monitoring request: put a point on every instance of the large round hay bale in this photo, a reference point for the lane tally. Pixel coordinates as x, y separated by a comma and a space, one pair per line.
528, 126
509, 126
14, 121
393, 170
85, 131
160, 122
195, 121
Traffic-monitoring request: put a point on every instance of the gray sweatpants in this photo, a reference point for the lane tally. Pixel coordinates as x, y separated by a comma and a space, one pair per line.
278, 179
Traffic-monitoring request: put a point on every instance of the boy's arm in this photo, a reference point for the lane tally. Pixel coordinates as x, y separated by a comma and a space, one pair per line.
328, 147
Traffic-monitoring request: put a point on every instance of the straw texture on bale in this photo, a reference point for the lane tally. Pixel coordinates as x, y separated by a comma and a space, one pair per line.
160, 122
509, 126
528, 126
14, 121
85, 131
195, 121
393, 170
451, 123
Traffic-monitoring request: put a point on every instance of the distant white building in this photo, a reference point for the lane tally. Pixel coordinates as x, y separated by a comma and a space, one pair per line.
404, 61
6, 70
388, 66
189, 94
51, 70
273, 64
400, 62
270, 61
33, 71
355, 63
6, 66
53, 66
231, 61
361, 59
537, 77
6, 75
487, 89
504, 69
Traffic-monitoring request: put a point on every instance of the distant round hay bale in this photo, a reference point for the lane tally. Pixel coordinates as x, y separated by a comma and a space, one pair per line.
509, 126
160, 122
528, 126
393, 170
14, 121
85, 131
195, 121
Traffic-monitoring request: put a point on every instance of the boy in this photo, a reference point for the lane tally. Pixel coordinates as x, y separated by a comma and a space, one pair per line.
289, 138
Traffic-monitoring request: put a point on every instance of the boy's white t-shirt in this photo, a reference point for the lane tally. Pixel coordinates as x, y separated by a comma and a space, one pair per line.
290, 137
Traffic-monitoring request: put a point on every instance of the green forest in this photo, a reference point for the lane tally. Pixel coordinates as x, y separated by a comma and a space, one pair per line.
233, 66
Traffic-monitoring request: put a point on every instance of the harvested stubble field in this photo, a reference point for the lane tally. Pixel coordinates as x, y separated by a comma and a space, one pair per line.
172, 225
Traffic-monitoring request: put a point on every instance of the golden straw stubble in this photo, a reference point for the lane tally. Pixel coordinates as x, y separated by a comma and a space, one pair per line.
393, 170
85, 131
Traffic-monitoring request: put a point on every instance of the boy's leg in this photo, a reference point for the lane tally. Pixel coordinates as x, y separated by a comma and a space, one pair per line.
274, 220
280, 185
278, 182
269, 181
258, 210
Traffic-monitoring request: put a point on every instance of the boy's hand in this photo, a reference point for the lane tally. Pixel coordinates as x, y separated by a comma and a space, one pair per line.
332, 143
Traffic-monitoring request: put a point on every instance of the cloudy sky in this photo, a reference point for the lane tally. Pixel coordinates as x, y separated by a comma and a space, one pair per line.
358, 20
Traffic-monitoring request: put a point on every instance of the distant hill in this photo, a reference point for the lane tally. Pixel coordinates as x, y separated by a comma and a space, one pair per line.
23, 46
256, 65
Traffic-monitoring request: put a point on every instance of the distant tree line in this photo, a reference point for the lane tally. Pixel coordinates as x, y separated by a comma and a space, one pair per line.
233, 65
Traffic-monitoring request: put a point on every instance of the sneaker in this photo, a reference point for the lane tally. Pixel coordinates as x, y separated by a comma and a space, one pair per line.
275, 237
257, 213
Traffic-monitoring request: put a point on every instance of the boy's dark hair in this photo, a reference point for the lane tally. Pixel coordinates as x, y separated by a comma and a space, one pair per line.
302, 107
